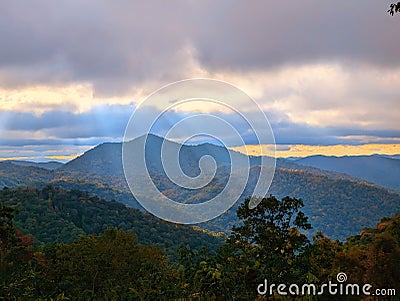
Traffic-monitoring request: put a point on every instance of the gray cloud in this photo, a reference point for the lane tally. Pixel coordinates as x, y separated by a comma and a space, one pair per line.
102, 121
117, 44
44, 144
272, 33
77, 131
107, 43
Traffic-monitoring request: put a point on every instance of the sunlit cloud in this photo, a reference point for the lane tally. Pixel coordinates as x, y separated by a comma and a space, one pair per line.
40, 153
76, 98
75, 84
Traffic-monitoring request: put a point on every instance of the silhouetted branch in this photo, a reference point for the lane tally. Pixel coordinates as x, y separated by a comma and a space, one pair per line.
394, 8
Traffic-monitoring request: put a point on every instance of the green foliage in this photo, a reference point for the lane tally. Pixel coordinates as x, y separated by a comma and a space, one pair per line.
322, 256
339, 208
109, 266
374, 255
13, 175
267, 243
271, 238
18, 272
58, 215
332, 201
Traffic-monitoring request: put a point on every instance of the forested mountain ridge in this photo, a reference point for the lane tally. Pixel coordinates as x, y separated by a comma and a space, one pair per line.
339, 208
54, 214
337, 204
382, 170
13, 175
50, 165
105, 159
115, 265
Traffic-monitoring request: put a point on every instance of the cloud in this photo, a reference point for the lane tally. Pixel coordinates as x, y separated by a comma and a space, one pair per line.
120, 45
330, 95
266, 34
71, 72
112, 45
106, 122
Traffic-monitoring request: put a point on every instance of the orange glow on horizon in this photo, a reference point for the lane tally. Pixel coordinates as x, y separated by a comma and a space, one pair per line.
33, 158
282, 151
299, 150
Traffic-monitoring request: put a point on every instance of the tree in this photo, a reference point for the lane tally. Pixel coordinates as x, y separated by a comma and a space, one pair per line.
270, 239
323, 257
18, 265
382, 262
267, 243
201, 274
394, 8
109, 266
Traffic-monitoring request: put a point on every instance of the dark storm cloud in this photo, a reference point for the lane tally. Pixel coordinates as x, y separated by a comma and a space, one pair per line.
114, 44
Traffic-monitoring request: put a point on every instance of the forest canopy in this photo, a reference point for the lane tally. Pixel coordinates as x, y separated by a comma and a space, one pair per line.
266, 243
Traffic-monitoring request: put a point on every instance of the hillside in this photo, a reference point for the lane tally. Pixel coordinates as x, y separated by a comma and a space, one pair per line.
339, 208
387, 227
50, 165
105, 159
381, 170
337, 204
55, 214
14, 175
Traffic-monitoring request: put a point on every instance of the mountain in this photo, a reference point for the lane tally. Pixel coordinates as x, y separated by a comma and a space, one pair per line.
54, 214
13, 174
291, 165
397, 157
50, 165
380, 170
337, 204
388, 226
105, 159
337, 207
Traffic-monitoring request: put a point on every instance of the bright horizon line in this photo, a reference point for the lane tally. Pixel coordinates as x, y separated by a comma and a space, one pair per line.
305, 150
282, 151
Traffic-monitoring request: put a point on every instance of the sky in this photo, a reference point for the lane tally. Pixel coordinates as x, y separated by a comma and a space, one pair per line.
326, 74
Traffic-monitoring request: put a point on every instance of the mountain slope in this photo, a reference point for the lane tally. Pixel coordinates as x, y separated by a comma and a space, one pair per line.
54, 214
339, 208
337, 204
381, 170
106, 158
13, 175
50, 165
